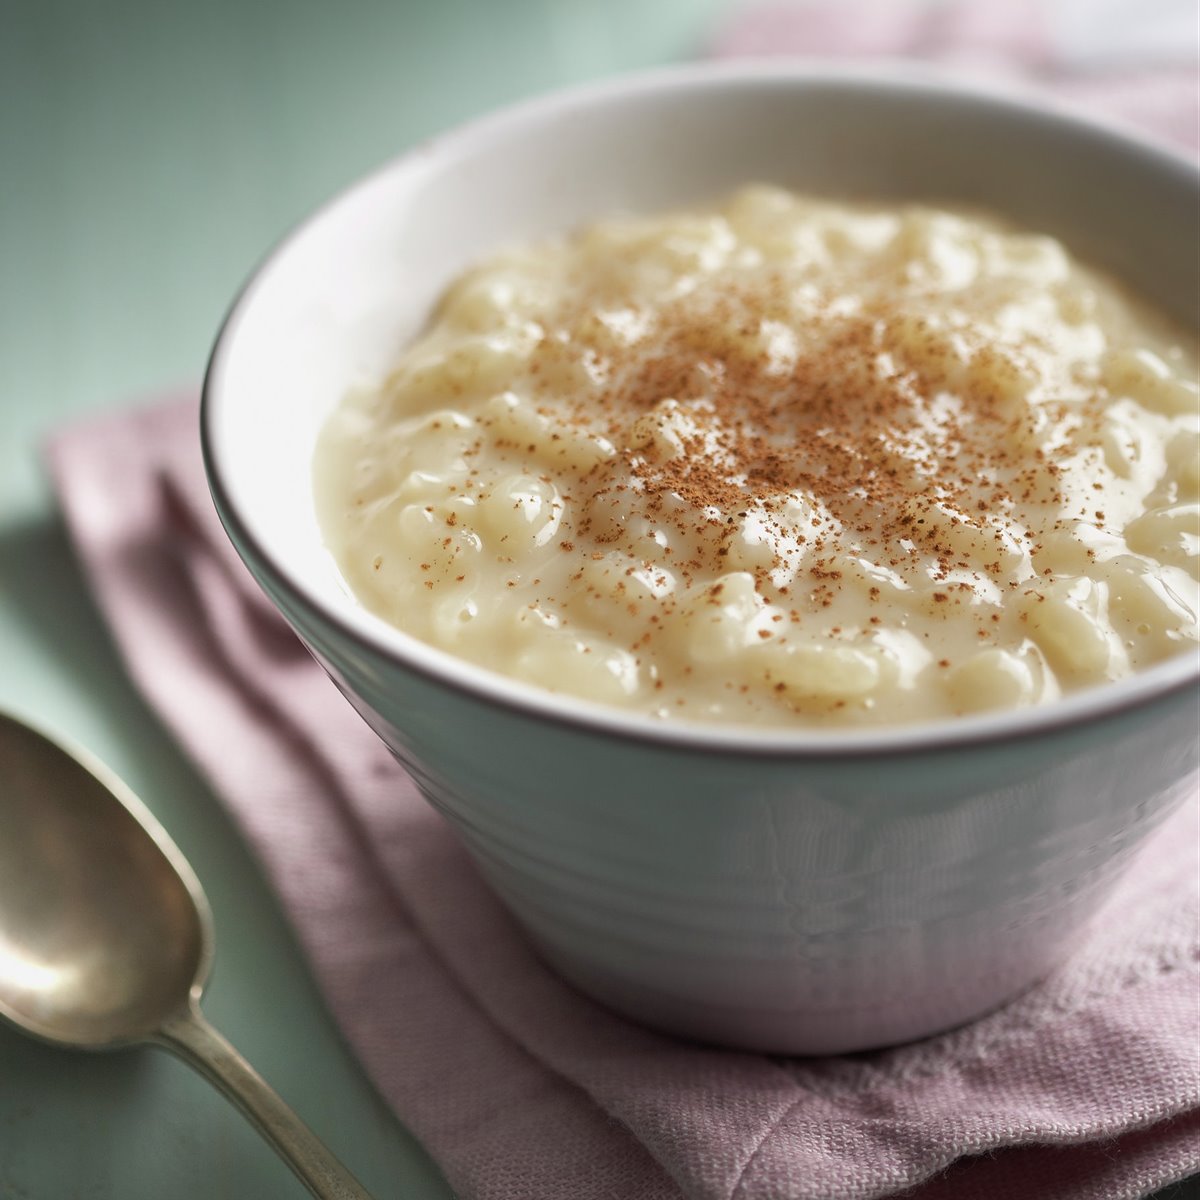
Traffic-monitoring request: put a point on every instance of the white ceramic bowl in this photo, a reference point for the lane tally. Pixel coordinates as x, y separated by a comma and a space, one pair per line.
787, 891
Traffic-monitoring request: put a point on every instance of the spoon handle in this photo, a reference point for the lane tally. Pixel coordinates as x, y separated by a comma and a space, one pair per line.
193, 1039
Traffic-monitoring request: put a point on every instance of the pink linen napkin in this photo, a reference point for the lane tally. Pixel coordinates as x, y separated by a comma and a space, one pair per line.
520, 1087
1106, 56
1086, 1087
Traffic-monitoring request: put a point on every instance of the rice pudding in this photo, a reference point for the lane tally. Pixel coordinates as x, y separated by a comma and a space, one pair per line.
788, 461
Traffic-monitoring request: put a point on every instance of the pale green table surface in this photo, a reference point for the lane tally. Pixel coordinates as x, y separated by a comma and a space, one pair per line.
149, 153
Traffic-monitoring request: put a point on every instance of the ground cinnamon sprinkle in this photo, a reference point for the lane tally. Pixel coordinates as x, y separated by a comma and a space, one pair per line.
792, 460
860, 433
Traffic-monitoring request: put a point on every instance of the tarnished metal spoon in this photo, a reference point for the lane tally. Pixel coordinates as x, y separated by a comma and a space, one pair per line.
106, 936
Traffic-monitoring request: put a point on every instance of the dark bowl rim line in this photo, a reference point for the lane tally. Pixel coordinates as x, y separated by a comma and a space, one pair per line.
1093, 705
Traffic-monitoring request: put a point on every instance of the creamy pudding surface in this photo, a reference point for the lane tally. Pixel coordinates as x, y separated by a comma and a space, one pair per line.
786, 462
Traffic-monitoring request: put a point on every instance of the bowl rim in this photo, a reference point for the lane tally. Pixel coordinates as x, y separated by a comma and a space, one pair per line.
402, 650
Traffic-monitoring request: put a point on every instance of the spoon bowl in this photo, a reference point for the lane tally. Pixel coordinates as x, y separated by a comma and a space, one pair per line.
106, 930
106, 937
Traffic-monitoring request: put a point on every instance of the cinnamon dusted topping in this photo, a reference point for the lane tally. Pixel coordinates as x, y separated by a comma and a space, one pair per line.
789, 461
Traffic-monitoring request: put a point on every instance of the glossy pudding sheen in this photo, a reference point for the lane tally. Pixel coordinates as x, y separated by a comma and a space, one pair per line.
785, 462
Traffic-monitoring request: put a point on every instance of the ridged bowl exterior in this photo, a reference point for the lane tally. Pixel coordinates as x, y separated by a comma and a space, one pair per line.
795, 905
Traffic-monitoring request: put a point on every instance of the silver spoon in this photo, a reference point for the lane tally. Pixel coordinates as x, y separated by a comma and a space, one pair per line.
106, 937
